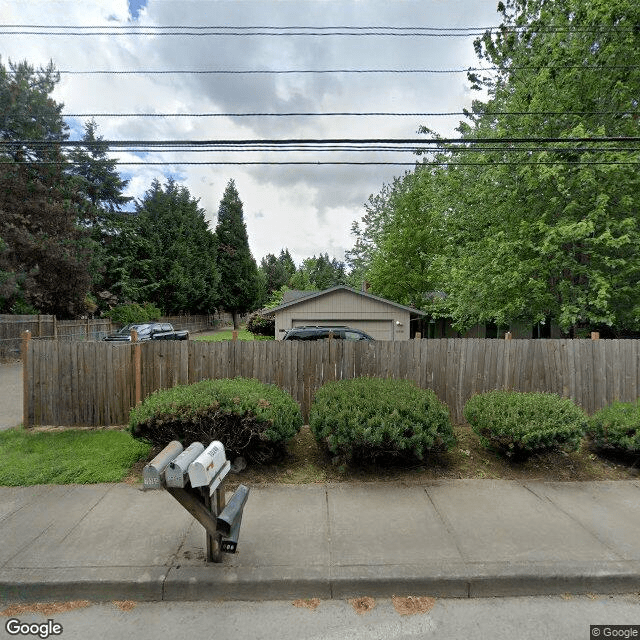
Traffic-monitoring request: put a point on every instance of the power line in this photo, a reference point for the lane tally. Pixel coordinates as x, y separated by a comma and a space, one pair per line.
284, 142
89, 72
296, 114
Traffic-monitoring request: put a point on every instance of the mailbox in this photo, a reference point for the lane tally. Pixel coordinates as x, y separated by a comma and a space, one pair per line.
204, 469
175, 474
152, 477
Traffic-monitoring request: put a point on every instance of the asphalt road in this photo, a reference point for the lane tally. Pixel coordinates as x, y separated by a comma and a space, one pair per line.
529, 618
10, 395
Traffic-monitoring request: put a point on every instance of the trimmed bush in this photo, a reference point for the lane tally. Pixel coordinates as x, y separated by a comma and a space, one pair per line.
374, 420
261, 325
518, 424
130, 313
250, 418
617, 427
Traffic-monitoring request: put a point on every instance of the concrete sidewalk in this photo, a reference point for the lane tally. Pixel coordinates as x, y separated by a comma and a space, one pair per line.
462, 538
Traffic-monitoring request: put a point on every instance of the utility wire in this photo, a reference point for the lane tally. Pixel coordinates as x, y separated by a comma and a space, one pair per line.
125, 72
345, 114
257, 143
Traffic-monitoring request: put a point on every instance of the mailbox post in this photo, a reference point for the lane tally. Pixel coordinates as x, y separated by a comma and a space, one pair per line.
195, 477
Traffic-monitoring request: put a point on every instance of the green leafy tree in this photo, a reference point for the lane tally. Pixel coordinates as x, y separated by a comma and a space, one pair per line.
240, 289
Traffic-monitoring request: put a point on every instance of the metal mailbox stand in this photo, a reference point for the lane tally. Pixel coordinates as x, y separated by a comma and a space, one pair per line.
177, 470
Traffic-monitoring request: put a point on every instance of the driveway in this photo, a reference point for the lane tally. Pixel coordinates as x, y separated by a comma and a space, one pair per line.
10, 395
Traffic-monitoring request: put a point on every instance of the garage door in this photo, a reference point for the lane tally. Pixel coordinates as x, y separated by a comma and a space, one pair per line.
377, 329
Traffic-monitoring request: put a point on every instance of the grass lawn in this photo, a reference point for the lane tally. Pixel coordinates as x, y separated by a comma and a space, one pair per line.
243, 334
67, 456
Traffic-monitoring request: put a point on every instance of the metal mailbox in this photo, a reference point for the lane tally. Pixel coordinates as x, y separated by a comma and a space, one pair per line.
175, 473
195, 478
204, 469
152, 477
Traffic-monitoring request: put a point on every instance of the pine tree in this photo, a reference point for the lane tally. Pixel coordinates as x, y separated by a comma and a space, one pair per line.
239, 289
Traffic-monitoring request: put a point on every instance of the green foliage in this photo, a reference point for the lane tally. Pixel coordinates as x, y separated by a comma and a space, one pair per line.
67, 456
250, 418
261, 325
277, 270
518, 424
617, 427
240, 284
379, 420
318, 273
130, 313
522, 235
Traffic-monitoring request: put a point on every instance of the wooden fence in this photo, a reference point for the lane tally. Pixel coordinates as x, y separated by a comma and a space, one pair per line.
97, 383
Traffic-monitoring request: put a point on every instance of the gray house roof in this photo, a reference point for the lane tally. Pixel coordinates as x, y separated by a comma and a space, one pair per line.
309, 295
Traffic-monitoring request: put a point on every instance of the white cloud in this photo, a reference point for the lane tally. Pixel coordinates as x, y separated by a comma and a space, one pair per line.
308, 209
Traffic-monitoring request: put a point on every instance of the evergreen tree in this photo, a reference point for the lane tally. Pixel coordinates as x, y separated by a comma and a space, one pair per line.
96, 173
239, 289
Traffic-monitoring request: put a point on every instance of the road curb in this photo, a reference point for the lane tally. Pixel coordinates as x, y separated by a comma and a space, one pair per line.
207, 583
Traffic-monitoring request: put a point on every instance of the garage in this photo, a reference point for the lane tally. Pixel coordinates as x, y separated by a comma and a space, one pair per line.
345, 307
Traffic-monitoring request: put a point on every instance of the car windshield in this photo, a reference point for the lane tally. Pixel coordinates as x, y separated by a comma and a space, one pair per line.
140, 328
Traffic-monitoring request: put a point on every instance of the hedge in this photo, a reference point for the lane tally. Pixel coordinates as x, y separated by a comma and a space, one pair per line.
376, 420
518, 424
250, 418
617, 427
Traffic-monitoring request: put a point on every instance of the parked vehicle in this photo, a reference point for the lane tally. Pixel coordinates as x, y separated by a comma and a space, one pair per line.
323, 333
148, 331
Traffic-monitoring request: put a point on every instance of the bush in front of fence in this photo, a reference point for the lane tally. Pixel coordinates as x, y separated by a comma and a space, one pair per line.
366, 420
616, 428
251, 419
261, 325
518, 424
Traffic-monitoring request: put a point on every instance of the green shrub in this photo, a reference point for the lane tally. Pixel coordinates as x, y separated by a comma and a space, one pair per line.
519, 424
261, 325
373, 420
250, 418
130, 313
617, 427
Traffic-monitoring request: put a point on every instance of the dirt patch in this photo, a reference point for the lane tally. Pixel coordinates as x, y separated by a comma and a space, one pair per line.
308, 463
413, 604
362, 605
44, 608
125, 605
307, 603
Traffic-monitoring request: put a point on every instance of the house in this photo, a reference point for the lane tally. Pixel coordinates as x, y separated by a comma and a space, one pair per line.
344, 306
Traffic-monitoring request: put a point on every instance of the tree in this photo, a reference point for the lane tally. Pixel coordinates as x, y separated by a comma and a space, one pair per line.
96, 173
239, 289
277, 270
320, 272
45, 256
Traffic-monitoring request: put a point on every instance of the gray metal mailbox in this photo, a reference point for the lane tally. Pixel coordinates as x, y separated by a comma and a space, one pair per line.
171, 470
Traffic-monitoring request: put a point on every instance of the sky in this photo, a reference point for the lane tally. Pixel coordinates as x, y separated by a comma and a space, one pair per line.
307, 209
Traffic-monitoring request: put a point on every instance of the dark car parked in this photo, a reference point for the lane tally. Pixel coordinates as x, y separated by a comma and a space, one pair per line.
147, 331
323, 333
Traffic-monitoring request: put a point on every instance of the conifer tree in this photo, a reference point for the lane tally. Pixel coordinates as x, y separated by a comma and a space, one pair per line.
239, 289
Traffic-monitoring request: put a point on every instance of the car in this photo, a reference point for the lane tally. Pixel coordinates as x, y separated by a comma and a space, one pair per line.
323, 333
147, 331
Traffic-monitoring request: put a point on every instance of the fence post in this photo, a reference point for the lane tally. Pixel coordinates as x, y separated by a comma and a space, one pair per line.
24, 349
595, 335
508, 335
234, 335
55, 327
137, 368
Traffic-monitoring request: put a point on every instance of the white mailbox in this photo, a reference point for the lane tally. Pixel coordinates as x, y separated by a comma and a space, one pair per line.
204, 469
175, 474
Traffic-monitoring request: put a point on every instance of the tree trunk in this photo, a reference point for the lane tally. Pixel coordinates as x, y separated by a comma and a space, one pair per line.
236, 320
